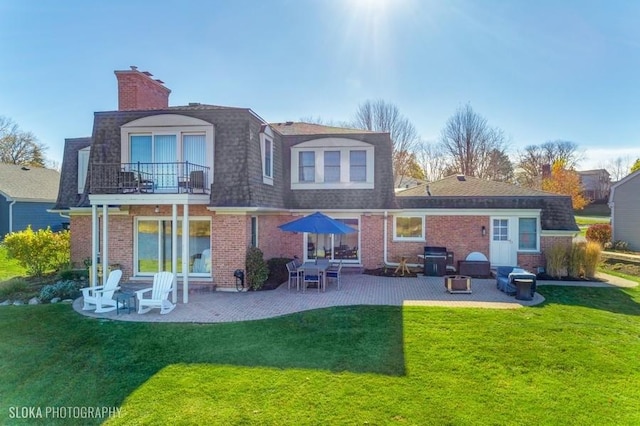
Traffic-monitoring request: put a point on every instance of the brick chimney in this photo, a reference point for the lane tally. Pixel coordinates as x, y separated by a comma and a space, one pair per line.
137, 90
546, 171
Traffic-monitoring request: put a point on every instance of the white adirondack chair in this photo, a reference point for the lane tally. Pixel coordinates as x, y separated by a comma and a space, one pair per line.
100, 297
162, 286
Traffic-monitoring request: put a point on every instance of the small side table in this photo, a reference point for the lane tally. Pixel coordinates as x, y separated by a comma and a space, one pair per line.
457, 284
126, 300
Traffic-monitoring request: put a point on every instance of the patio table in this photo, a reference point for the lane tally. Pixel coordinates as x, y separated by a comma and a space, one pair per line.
322, 268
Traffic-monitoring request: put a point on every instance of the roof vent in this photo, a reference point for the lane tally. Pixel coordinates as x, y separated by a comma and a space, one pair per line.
25, 168
461, 178
428, 191
288, 123
194, 103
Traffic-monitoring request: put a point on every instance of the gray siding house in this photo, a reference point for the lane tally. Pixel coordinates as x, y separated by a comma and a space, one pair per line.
26, 193
624, 202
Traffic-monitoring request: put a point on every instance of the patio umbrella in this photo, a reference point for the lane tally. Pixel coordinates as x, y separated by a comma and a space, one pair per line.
317, 223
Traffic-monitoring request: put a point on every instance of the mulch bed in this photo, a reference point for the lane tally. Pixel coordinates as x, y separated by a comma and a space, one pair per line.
390, 272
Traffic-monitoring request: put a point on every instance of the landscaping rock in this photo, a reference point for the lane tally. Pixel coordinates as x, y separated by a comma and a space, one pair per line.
6, 303
67, 301
34, 301
55, 300
18, 303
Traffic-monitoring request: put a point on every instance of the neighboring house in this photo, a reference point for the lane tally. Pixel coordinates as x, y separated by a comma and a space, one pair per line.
26, 193
406, 182
190, 188
624, 202
596, 184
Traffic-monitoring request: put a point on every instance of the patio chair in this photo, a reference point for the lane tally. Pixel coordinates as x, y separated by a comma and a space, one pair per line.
334, 272
293, 275
162, 286
196, 180
101, 298
202, 263
311, 275
127, 182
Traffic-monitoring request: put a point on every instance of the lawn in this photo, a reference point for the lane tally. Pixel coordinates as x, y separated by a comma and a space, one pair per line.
572, 360
10, 267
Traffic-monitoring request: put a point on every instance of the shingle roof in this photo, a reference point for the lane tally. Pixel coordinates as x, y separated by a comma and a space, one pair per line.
299, 128
29, 183
68, 195
467, 186
473, 193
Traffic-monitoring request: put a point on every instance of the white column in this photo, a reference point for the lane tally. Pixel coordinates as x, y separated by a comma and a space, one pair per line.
94, 245
104, 258
174, 251
185, 253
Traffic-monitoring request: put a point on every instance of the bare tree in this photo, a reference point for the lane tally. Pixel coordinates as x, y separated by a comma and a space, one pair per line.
432, 160
471, 144
323, 122
18, 147
380, 116
534, 157
618, 168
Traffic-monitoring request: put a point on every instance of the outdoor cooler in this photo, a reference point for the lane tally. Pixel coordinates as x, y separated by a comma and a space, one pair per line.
435, 261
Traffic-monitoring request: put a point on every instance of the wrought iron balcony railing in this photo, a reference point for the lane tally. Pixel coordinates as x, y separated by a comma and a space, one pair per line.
146, 178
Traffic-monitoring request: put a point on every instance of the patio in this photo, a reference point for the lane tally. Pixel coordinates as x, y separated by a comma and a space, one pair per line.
357, 289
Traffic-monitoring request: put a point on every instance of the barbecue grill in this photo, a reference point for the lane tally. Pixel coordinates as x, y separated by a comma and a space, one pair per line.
435, 261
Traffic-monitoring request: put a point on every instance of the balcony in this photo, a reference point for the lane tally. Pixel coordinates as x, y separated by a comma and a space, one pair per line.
149, 178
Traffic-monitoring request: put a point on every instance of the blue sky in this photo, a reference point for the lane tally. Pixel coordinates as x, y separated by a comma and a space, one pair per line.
540, 70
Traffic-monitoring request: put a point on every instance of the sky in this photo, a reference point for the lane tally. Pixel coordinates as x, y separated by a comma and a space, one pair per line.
538, 70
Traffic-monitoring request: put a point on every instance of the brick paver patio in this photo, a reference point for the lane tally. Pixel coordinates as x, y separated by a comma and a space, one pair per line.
356, 289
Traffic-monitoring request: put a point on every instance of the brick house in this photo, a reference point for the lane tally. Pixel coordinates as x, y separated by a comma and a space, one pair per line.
190, 188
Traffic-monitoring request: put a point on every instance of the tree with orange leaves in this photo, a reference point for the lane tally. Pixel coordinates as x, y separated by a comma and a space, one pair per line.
567, 182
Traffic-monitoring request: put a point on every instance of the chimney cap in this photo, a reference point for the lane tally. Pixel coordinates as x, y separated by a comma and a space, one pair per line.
133, 68
147, 73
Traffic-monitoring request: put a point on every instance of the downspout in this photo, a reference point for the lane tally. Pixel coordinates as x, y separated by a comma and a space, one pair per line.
384, 242
11, 216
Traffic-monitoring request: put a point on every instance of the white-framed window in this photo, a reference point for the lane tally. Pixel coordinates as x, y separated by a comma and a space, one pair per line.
344, 247
528, 234
307, 166
358, 166
332, 163
332, 166
153, 246
266, 150
83, 167
409, 228
254, 231
167, 141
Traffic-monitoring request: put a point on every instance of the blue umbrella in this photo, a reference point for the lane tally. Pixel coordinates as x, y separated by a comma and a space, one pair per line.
317, 223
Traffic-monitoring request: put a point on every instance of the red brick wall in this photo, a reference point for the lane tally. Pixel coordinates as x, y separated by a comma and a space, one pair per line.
229, 242
460, 234
277, 243
80, 227
137, 91
372, 241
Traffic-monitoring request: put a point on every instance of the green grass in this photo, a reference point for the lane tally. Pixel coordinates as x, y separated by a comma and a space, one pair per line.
9, 268
584, 222
572, 360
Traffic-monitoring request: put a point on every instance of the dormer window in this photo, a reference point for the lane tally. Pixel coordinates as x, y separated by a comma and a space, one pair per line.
266, 149
332, 163
169, 148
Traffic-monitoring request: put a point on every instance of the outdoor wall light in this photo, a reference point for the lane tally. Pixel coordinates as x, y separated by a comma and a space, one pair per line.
157, 210
484, 230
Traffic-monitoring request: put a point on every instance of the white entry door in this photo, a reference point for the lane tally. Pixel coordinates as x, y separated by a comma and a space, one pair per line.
502, 250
